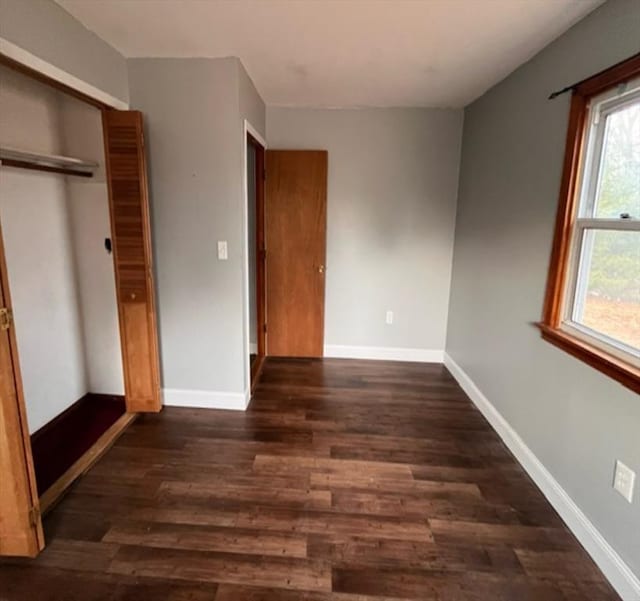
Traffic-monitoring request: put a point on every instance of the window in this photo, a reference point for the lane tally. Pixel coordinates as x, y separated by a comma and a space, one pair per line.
592, 306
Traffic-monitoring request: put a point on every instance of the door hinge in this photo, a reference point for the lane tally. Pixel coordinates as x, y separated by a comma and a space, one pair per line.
264, 327
34, 516
6, 318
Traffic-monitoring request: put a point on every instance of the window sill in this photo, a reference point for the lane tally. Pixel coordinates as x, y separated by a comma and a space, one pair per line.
616, 368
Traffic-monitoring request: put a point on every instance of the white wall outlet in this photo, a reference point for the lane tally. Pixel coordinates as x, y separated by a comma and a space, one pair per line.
624, 480
389, 318
222, 250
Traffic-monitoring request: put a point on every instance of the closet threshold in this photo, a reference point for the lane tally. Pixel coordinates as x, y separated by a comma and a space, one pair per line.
23, 159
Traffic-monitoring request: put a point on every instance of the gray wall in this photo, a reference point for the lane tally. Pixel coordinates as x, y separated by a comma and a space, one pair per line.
393, 176
46, 30
576, 420
195, 141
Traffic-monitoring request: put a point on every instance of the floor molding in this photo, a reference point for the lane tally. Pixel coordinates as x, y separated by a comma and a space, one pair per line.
386, 353
206, 399
612, 565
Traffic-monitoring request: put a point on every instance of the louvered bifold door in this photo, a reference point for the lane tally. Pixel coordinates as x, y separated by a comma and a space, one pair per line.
129, 203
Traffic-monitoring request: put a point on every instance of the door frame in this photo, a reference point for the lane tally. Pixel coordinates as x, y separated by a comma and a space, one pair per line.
250, 135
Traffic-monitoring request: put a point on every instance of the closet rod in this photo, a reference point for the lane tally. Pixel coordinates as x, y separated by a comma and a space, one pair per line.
46, 162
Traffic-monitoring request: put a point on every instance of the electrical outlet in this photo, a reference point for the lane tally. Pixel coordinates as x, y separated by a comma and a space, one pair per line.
623, 480
389, 317
222, 250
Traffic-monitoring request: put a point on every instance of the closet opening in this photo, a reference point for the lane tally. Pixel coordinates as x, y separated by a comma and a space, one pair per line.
56, 225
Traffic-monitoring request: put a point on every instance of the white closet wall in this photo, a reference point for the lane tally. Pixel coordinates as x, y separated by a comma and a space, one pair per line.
88, 204
60, 276
35, 226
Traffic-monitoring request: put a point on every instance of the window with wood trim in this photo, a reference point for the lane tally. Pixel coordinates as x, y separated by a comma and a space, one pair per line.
592, 305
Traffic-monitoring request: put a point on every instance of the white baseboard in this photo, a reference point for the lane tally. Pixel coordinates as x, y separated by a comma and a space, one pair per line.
206, 399
253, 348
612, 565
383, 353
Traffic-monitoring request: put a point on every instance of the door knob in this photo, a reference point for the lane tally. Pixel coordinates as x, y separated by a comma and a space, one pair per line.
320, 268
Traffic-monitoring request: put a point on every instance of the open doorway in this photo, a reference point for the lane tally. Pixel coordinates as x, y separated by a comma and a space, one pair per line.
256, 256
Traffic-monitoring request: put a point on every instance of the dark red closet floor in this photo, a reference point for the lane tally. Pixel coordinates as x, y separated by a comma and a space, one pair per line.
60, 443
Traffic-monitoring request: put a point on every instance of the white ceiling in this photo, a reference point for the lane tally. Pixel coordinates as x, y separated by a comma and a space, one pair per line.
327, 53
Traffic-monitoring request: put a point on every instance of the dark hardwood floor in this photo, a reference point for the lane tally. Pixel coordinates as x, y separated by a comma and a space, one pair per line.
345, 480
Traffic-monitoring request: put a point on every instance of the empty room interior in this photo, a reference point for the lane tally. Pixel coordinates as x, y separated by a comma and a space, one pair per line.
319, 300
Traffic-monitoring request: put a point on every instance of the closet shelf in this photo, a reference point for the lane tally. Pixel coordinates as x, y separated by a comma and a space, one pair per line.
46, 162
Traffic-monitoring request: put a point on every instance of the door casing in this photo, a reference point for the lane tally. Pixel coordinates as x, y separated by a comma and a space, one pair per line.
252, 138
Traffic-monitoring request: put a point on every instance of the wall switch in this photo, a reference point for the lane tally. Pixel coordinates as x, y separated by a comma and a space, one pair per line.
389, 317
623, 480
222, 250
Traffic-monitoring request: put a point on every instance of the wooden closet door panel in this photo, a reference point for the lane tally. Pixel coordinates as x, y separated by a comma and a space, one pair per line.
131, 231
20, 523
296, 223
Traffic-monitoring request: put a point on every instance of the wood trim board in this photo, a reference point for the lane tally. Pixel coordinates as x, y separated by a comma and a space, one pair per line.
50, 81
19, 59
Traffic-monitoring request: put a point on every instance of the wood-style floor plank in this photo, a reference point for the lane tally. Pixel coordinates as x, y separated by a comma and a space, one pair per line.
344, 481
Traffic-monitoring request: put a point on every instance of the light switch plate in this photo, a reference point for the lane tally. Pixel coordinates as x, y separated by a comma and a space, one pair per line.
624, 480
222, 250
389, 319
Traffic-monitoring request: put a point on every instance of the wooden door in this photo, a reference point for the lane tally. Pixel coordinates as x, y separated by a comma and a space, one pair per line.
296, 223
130, 227
20, 523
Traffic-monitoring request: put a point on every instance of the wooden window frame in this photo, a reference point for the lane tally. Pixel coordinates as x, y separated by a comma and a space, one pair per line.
554, 304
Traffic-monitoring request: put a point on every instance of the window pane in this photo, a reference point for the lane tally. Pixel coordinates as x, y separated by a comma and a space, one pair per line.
619, 185
608, 287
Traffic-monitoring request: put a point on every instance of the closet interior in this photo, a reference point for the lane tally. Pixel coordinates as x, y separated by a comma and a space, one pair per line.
56, 227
